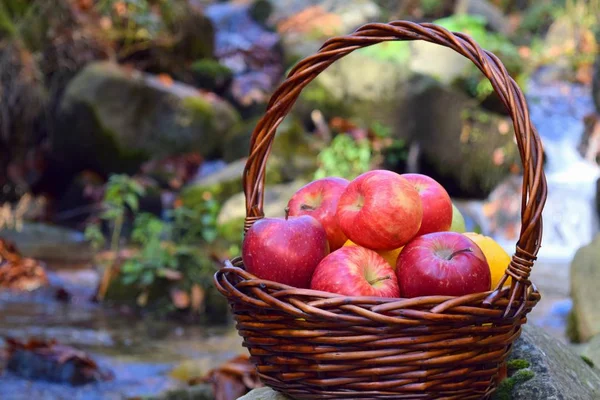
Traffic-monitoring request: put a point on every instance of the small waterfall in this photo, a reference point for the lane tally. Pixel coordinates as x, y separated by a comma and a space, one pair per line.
570, 218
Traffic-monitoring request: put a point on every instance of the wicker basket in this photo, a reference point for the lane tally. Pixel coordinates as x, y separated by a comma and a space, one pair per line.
315, 345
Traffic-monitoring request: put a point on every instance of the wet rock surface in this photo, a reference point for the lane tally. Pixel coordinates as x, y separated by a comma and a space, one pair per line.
141, 353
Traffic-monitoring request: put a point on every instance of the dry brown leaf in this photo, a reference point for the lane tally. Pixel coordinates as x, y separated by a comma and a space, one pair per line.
171, 274
180, 299
197, 297
498, 156
142, 299
165, 79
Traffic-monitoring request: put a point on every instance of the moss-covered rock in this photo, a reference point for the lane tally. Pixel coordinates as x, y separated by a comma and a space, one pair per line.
211, 75
590, 352
554, 372
585, 274
468, 149
221, 185
111, 119
276, 198
368, 85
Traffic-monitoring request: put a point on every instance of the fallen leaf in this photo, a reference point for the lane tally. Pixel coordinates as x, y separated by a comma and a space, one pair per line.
171, 274
165, 79
180, 299
142, 299
498, 156
198, 296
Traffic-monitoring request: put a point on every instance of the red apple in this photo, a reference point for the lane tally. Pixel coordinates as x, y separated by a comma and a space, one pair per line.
355, 271
437, 206
380, 210
285, 250
442, 263
319, 199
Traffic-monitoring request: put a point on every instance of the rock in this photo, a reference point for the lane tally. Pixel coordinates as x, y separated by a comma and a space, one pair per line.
220, 185
305, 24
558, 373
51, 244
373, 92
293, 153
293, 156
467, 149
425, 59
493, 15
585, 275
590, 352
276, 198
250, 51
54, 362
196, 392
112, 119
265, 393
192, 38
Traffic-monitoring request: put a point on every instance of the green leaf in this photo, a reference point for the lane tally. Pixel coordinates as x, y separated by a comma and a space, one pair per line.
131, 267
128, 280
132, 201
209, 235
147, 278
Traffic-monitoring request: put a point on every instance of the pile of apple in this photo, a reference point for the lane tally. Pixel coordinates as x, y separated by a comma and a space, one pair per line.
382, 234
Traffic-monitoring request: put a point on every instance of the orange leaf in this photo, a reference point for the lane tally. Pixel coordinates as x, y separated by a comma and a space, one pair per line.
180, 299
198, 296
165, 79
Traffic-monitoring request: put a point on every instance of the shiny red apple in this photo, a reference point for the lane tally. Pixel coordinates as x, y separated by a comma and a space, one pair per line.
437, 206
355, 271
380, 210
285, 250
319, 199
444, 264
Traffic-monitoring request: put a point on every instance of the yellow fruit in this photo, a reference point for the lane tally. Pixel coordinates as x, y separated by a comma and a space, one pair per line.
497, 258
391, 256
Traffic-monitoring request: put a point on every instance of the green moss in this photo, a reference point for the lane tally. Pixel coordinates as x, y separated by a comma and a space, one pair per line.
572, 331
504, 391
232, 231
210, 74
199, 108
588, 361
220, 191
109, 157
316, 97
517, 364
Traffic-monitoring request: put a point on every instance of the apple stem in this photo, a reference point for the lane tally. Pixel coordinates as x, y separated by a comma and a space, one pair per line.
459, 252
383, 278
287, 213
305, 207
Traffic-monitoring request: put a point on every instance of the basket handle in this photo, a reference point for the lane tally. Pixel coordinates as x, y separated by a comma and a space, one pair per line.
528, 141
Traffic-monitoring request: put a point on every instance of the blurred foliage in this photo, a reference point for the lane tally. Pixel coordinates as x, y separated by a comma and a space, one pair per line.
167, 254
352, 153
344, 157
475, 26
134, 22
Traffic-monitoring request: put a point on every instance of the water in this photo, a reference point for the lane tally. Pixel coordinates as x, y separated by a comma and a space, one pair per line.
141, 353
570, 218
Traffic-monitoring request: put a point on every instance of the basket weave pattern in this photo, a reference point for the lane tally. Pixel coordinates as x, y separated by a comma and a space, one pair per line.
317, 345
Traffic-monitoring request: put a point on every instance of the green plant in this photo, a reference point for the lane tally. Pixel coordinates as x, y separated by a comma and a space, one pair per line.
344, 157
122, 193
165, 257
136, 23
